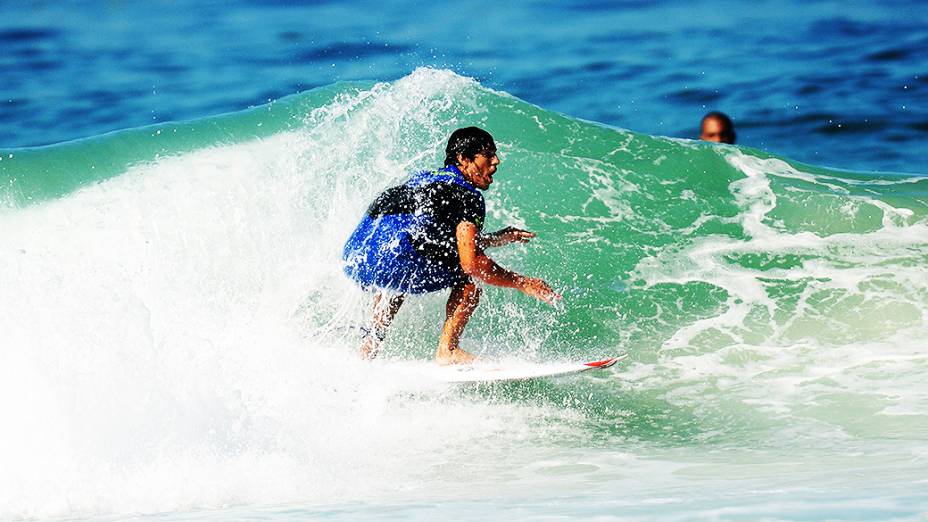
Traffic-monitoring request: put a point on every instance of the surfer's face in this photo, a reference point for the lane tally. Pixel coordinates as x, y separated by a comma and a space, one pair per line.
479, 171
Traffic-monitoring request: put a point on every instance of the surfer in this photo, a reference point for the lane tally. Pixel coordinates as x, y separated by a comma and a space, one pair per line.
426, 235
717, 126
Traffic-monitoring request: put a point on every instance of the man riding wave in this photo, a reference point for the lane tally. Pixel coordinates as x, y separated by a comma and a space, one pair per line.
425, 236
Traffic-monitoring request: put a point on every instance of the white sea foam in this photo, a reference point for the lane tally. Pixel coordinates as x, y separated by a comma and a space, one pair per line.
168, 334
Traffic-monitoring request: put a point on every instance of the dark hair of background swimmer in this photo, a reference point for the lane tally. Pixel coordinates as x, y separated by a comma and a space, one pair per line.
468, 142
726, 132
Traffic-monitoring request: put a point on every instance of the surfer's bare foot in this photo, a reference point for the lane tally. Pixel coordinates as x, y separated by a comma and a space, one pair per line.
457, 356
369, 348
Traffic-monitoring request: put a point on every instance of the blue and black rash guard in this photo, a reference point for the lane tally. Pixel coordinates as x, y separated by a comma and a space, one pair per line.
446, 204
407, 239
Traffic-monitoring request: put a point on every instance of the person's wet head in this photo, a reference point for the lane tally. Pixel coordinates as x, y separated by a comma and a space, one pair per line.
717, 127
473, 151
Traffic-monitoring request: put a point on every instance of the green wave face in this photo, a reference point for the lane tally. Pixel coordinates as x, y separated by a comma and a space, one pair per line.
761, 301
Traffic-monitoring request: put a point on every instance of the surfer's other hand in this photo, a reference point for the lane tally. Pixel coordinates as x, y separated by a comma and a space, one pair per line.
539, 290
514, 235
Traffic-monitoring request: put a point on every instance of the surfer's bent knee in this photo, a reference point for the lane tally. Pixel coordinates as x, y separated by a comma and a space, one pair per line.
469, 290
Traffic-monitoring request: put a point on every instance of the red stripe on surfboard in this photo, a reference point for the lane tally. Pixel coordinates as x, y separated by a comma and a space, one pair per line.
604, 362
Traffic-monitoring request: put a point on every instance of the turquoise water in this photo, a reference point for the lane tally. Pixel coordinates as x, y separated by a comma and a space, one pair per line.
173, 316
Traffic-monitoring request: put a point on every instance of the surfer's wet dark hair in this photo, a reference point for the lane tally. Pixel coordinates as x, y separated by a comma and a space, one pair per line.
468, 142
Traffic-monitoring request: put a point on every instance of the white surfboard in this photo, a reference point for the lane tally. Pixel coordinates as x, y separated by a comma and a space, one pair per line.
500, 372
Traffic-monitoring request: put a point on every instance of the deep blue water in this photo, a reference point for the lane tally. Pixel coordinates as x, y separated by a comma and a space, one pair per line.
828, 83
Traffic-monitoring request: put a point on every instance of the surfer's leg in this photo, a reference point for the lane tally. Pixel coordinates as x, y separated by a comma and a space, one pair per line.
385, 308
462, 302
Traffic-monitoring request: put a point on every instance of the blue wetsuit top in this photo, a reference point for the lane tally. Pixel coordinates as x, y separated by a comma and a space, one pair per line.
407, 242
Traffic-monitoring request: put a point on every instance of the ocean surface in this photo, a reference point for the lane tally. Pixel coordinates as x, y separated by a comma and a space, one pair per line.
177, 340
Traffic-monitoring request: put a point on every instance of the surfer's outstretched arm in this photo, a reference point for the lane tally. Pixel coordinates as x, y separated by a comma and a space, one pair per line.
476, 264
503, 237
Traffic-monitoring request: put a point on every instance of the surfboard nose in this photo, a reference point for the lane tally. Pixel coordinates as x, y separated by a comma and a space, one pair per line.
605, 363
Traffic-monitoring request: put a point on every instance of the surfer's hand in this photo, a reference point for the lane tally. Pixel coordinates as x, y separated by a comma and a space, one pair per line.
539, 290
513, 235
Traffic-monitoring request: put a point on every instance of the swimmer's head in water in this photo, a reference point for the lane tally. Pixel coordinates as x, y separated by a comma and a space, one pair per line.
717, 127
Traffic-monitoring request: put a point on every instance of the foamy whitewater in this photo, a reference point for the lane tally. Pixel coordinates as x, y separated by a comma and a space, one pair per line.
177, 337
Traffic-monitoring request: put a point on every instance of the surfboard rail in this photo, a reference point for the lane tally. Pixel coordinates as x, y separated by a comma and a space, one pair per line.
482, 373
